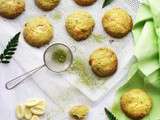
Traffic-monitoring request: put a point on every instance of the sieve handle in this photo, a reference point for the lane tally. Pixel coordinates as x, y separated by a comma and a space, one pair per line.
19, 79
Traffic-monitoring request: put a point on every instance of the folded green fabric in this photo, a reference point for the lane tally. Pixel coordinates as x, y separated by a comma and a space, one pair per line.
155, 9
145, 73
146, 41
146, 34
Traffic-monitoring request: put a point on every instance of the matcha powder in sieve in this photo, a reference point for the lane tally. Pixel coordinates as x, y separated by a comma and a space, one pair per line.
59, 55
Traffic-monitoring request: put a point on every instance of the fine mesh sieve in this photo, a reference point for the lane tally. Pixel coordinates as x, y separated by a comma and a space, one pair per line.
48, 62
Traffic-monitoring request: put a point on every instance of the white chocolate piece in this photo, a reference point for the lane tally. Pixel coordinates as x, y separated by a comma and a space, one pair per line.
34, 117
27, 114
37, 111
31, 110
20, 111
32, 102
41, 105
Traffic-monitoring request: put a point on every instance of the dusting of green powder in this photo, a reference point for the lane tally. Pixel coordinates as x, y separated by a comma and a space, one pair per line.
98, 37
57, 15
86, 77
59, 55
80, 68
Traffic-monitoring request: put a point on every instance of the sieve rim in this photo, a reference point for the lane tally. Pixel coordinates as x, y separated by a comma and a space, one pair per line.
70, 52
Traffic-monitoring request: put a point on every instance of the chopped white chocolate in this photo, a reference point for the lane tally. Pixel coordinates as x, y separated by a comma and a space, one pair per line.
20, 111
37, 111
34, 117
27, 113
32, 102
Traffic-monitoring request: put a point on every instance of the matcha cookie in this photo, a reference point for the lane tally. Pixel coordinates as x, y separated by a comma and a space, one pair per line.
38, 31
11, 8
136, 103
47, 5
79, 112
80, 25
85, 2
103, 62
117, 22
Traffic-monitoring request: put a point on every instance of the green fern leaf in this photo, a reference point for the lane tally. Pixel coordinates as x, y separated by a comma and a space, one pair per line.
106, 2
10, 49
110, 115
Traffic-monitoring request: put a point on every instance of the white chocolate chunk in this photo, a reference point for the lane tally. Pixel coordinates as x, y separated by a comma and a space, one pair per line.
41, 105
31, 110
37, 111
27, 113
32, 102
20, 111
34, 117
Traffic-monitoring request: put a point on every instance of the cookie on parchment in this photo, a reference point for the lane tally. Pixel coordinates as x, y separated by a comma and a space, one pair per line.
38, 31
80, 25
117, 22
103, 62
47, 5
11, 8
85, 2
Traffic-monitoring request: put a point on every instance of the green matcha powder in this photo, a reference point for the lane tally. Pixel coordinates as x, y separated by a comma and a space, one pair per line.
59, 56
